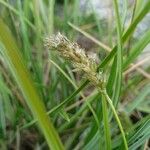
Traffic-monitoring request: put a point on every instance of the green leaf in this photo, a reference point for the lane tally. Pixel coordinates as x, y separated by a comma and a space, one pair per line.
139, 99
137, 49
14, 59
140, 136
127, 34
106, 124
64, 114
119, 57
17, 13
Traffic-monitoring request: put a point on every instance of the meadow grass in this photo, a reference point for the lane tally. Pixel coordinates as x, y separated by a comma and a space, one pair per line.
46, 104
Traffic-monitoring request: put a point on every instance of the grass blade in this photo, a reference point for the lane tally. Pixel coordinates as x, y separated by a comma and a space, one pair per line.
17, 13
136, 102
14, 60
26, 44
137, 49
117, 119
118, 78
127, 34
106, 124
140, 135
51, 16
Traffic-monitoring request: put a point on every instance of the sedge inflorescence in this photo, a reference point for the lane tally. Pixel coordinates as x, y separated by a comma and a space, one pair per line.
77, 56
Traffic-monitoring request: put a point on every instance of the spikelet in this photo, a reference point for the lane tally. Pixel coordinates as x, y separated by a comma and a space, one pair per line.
77, 56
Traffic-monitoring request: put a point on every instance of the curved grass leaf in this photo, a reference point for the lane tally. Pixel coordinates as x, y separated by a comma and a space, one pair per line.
137, 49
140, 136
14, 60
119, 57
137, 134
17, 13
127, 34
136, 102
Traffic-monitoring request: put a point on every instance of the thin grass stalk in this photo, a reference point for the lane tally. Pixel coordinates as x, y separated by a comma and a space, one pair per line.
26, 44
51, 16
118, 79
106, 124
104, 93
65, 15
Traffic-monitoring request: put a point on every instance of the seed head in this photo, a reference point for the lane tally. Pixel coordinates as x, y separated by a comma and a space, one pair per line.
77, 56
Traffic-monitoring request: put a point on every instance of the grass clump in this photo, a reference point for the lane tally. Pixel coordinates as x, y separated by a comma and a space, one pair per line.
97, 99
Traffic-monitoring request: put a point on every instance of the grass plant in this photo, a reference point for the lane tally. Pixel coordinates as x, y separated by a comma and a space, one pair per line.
56, 94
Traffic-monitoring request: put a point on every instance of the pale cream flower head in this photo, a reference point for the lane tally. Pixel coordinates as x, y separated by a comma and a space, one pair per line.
77, 56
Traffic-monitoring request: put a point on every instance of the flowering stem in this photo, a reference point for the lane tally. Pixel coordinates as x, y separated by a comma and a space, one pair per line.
106, 123
104, 93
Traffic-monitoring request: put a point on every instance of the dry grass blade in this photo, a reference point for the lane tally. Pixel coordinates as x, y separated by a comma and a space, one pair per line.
135, 66
90, 37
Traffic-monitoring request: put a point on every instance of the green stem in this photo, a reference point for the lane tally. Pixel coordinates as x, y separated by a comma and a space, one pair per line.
51, 16
104, 93
106, 123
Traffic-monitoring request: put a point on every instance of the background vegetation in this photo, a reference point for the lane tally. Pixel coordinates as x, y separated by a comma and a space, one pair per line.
44, 103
